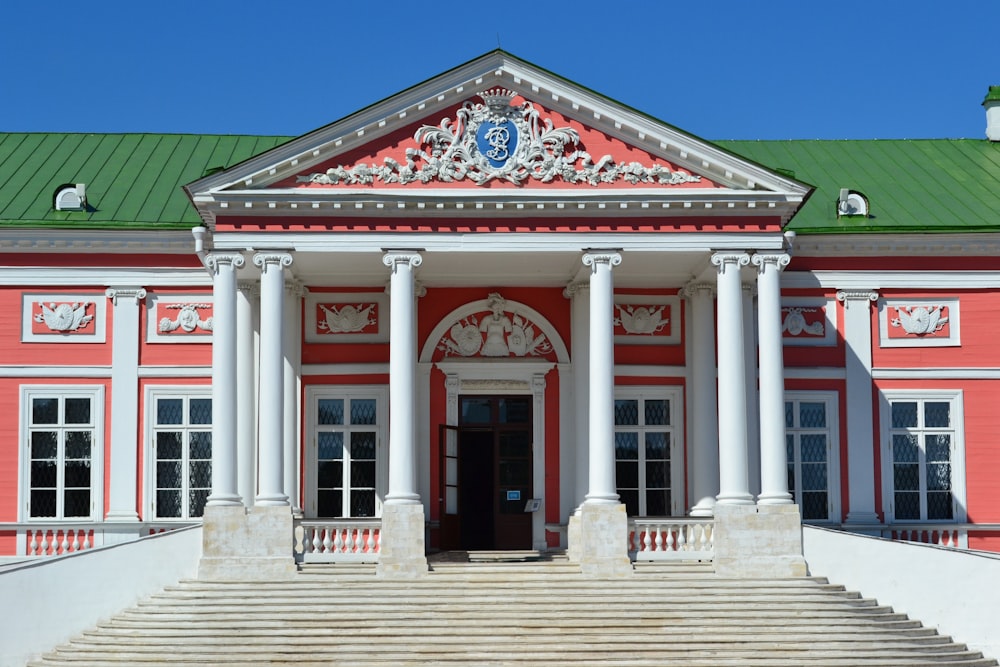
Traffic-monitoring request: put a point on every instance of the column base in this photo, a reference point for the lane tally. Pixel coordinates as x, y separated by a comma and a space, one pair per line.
246, 547
402, 553
604, 543
758, 542
704, 508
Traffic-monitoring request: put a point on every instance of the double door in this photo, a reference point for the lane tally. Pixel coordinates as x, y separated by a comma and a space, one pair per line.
486, 475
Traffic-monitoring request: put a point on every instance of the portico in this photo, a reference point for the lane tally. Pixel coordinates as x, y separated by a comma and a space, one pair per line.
598, 289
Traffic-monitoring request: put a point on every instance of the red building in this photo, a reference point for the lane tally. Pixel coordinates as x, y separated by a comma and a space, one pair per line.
497, 311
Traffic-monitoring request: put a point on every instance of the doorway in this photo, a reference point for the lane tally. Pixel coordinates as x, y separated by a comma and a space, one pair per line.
486, 475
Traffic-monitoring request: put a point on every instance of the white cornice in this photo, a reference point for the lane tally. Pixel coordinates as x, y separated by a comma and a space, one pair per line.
924, 373
874, 280
116, 241
909, 244
105, 276
510, 242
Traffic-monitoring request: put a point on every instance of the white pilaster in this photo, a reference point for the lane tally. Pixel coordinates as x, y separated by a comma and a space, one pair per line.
402, 377
579, 295
750, 380
859, 400
270, 475
122, 499
705, 423
224, 482
602, 488
773, 452
734, 486
292, 346
246, 392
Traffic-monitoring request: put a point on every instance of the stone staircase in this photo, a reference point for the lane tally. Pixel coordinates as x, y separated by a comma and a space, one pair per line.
510, 610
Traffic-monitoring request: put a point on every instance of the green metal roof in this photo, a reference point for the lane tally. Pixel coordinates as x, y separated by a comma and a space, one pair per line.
912, 185
134, 180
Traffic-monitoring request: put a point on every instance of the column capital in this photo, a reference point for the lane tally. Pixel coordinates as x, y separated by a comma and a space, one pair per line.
295, 288
395, 258
251, 288
721, 259
595, 256
576, 289
265, 258
763, 260
135, 293
856, 295
693, 289
216, 260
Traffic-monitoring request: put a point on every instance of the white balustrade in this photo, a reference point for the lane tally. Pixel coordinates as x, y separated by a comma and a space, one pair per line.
942, 536
42, 540
671, 539
337, 540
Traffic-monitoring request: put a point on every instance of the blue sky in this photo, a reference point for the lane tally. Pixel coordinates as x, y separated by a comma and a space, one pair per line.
771, 69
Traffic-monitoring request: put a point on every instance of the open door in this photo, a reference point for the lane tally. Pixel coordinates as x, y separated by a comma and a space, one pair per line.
451, 526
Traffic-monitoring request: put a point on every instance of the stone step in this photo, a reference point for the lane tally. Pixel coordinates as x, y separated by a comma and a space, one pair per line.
514, 614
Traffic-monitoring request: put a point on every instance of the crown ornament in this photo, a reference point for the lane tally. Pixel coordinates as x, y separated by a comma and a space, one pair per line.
497, 98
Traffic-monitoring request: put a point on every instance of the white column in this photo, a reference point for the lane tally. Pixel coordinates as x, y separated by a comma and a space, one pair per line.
750, 379
579, 295
734, 486
602, 488
705, 423
246, 392
124, 402
224, 482
402, 377
859, 400
773, 452
291, 357
270, 475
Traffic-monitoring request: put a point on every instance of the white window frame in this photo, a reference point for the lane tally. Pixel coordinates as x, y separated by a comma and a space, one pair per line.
154, 392
956, 398
831, 401
674, 395
96, 394
314, 394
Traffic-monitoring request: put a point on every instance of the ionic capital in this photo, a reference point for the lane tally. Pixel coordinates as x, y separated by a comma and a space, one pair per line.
765, 260
216, 260
137, 294
396, 258
596, 256
265, 259
723, 259
692, 290
576, 289
858, 297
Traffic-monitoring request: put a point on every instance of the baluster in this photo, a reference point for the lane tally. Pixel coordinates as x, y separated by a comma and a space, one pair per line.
298, 545
45, 543
378, 540
661, 533
328, 539
338, 542
317, 540
647, 538
352, 540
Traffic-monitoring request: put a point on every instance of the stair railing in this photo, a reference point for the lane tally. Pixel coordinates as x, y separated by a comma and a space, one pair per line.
653, 539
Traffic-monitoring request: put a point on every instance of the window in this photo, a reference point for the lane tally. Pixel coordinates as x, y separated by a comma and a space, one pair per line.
181, 455
344, 480
62, 435
811, 439
924, 461
648, 464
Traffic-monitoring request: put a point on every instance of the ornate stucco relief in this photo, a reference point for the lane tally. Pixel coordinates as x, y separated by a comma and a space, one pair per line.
646, 320
62, 318
187, 319
498, 333
334, 317
911, 322
495, 140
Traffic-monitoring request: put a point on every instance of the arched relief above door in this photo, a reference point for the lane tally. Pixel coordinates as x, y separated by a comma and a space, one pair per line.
494, 328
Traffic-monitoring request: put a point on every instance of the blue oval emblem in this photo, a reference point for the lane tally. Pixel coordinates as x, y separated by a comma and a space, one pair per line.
496, 142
